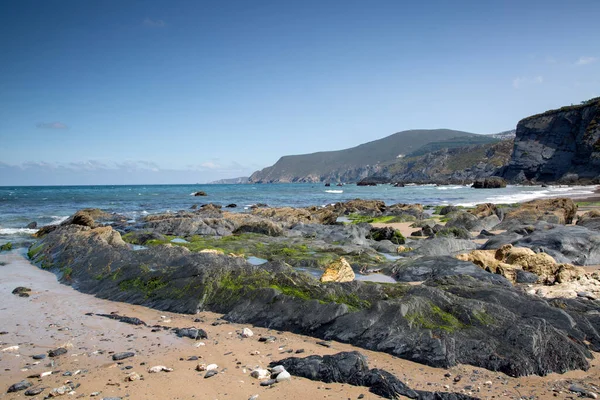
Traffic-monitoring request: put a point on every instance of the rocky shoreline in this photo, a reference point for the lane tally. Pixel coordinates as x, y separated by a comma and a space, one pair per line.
499, 288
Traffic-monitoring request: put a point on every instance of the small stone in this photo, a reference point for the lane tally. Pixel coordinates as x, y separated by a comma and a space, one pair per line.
267, 339
201, 367
457, 378
39, 356
34, 391
211, 367
270, 382
122, 356
246, 333
277, 369
134, 376
260, 373
324, 344
283, 376
253, 397
361, 396
193, 358
299, 351
210, 373
488, 383
159, 368
19, 386
57, 352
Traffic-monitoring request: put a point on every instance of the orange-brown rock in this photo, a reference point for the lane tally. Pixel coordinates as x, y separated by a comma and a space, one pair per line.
338, 271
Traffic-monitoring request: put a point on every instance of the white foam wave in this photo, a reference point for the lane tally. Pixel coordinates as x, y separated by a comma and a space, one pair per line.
334, 191
17, 231
528, 195
57, 219
449, 187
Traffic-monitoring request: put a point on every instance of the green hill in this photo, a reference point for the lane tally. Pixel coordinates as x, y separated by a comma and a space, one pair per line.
357, 162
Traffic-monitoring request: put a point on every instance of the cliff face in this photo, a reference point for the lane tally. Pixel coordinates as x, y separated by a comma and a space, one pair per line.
461, 165
560, 146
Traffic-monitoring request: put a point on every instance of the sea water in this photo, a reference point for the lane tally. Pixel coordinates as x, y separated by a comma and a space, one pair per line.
52, 204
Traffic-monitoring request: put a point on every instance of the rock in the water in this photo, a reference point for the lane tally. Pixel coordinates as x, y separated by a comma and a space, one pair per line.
32, 225
17, 387
122, 356
57, 352
338, 271
493, 182
200, 193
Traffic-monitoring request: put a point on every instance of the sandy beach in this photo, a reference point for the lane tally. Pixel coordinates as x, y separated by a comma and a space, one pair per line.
55, 316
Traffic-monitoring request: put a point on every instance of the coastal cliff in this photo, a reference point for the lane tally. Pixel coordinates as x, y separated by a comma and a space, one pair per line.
561, 146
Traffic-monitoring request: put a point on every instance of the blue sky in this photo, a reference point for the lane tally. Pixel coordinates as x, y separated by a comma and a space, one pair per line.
111, 91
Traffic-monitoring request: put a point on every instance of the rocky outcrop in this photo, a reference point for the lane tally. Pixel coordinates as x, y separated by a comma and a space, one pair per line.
510, 261
493, 182
558, 146
451, 318
556, 211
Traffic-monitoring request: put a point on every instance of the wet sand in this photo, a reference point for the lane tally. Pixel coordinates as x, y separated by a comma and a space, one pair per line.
54, 316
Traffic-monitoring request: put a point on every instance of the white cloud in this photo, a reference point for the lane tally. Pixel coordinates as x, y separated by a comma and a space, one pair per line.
51, 125
154, 23
583, 60
524, 81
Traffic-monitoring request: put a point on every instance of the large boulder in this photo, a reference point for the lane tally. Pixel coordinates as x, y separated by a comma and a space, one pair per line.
338, 271
290, 216
472, 223
386, 233
372, 208
575, 245
556, 211
590, 220
441, 246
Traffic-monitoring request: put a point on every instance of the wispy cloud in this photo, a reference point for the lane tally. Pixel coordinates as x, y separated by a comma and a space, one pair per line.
154, 23
583, 60
519, 82
51, 125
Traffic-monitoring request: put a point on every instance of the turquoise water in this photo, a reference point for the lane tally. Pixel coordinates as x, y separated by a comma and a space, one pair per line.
51, 204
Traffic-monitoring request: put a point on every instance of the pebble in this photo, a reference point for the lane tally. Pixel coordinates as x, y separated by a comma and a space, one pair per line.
39, 356
159, 368
211, 367
34, 391
57, 352
246, 333
270, 382
210, 373
268, 339
134, 376
260, 373
253, 397
283, 376
122, 356
19, 386
11, 348
324, 344
277, 369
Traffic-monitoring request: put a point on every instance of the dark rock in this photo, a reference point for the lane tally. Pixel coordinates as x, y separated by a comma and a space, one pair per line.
34, 391
21, 291
122, 356
38, 356
458, 233
262, 226
232, 205
373, 181
484, 233
200, 193
434, 267
526, 277
259, 205
449, 209
142, 237
493, 182
268, 382
32, 225
441, 246
386, 233
352, 368
121, 318
192, 333
472, 223
17, 387
327, 184
210, 373
57, 352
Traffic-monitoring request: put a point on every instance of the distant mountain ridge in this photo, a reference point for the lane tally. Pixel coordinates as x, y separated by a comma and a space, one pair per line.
356, 163
230, 181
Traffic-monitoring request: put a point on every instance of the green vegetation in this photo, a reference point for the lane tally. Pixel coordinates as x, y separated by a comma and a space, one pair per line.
33, 251
452, 143
483, 317
272, 249
435, 319
67, 272
148, 287
6, 247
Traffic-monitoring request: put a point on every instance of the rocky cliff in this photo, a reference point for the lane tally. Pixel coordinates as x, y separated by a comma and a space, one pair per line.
560, 146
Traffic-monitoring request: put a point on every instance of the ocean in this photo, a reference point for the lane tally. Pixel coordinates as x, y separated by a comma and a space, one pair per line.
52, 204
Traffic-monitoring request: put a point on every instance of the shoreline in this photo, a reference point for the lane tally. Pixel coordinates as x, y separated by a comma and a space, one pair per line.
54, 316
